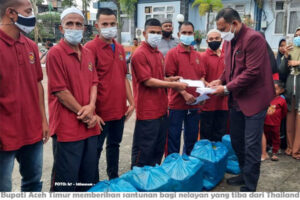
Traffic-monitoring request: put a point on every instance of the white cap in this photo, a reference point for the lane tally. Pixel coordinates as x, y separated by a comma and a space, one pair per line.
213, 31
71, 10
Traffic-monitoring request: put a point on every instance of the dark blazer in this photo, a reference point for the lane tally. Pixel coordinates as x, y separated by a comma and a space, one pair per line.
248, 72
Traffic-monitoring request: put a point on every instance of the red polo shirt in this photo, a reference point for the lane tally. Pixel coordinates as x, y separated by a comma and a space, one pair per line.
214, 67
276, 111
66, 72
186, 64
111, 68
20, 73
151, 103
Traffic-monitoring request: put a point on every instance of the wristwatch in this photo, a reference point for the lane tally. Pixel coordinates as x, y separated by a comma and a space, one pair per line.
226, 91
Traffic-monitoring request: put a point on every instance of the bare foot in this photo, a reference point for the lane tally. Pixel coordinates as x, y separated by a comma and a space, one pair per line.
288, 152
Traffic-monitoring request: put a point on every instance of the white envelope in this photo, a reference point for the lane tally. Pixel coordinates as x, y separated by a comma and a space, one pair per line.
193, 83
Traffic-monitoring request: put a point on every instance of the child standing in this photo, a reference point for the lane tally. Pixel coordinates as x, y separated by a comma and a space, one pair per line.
276, 112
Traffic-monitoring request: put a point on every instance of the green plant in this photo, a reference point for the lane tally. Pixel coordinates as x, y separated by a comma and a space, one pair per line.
208, 6
198, 38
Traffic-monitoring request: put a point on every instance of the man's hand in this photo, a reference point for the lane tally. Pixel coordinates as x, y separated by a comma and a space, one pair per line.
189, 98
46, 132
219, 90
86, 113
129, 112
94, 121
173, 78
293, 63
179, 86
214, 83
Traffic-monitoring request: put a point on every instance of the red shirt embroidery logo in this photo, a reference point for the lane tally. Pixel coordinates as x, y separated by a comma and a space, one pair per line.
90, 66
271, 109
121, 57
31, 58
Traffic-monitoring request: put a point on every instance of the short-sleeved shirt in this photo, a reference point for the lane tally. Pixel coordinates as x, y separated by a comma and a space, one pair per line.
214, 67
20, 73
66, 72
151, 103
276, 111
187, 64
111, 69
166, 45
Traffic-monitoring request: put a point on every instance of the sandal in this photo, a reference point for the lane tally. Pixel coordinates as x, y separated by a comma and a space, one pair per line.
263, 159
274, 157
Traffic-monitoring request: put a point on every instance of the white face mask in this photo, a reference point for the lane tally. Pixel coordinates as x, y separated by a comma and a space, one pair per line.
109, 33
228, 36
25, 24
187, 39
74, 37
154, 39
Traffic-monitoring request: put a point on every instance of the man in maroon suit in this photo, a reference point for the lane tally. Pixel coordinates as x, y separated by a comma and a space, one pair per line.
247, 79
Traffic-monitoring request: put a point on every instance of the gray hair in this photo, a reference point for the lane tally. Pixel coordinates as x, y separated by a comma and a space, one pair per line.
212, 31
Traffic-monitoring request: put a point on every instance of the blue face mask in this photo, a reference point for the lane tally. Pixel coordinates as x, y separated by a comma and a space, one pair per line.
297, 41
74, 37
187, 39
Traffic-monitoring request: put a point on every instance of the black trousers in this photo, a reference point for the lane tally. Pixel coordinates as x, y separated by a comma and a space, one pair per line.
213, 124
75, 165
113, 133
246, 134
149, 141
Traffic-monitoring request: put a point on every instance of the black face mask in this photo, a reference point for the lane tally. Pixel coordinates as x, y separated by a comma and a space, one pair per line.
214, 45
166, 34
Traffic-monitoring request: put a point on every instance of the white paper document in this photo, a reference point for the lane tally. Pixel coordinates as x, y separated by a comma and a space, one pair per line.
192, 83
205, 90
199, 99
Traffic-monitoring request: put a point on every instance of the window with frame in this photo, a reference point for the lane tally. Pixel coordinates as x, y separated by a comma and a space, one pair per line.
211, 22
125, 24
293, 16
279, 17
240, 8
159, 12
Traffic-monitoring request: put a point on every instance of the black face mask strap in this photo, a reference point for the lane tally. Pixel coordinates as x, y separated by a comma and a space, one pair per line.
11, 19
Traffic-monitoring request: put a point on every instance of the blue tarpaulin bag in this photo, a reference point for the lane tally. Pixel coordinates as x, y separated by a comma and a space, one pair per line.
186, 171
214, 157
232, 162
114, 185
149, 179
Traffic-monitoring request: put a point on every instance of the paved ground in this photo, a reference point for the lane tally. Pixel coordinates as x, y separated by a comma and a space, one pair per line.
283, 175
